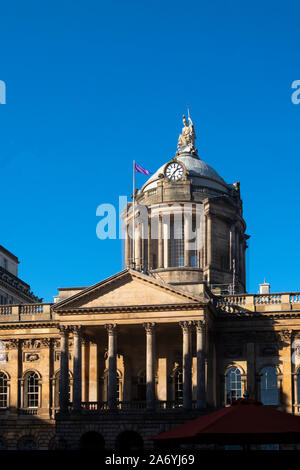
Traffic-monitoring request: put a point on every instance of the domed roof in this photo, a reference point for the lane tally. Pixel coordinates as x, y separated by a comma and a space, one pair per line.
200, 172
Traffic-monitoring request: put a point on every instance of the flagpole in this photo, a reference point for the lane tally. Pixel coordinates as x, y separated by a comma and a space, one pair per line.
133, 208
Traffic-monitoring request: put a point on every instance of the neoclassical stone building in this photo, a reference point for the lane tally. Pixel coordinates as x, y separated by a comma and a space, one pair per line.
172, 336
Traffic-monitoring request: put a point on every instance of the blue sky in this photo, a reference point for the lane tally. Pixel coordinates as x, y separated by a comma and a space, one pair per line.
92, 85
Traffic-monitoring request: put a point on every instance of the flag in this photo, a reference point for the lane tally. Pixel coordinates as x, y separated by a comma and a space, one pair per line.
140, 169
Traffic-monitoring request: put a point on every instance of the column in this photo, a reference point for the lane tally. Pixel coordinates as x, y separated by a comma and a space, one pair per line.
127, 248
64, 370
200, 346
137, 242
209, 240
149, 261
186, 364
251, 369
112, 366
150, 364
93, 371
160, 242
77, 368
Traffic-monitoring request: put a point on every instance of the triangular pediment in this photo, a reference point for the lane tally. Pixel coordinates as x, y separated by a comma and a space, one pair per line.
128, 288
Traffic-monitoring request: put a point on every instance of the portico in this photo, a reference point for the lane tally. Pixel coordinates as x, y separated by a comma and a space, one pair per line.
124, 356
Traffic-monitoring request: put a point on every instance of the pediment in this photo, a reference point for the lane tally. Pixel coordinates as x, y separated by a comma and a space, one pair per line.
128, 288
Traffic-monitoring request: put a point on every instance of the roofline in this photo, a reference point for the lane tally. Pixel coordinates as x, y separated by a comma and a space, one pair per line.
137, 273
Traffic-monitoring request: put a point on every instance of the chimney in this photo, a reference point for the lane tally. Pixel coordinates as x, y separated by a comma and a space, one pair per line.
264, 288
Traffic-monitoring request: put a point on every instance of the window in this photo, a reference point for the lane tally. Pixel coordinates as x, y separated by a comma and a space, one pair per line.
3, 390
31, 390
178, 386
233, 384
269, 386
176, 243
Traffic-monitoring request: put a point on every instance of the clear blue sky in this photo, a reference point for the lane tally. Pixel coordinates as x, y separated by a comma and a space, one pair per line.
91, 85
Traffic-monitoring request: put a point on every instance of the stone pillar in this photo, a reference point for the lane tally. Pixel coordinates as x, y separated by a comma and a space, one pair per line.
200, 346
77, 369
209, 246
112, 366
160, 242
64, 369
127, 248
149, 263
138, 251
186, 364
251, 370
150, 364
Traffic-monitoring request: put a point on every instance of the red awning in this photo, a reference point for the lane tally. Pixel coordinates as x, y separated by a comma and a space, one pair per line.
244, 418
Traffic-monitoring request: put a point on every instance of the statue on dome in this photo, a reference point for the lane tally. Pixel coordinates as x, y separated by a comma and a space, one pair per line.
186, 140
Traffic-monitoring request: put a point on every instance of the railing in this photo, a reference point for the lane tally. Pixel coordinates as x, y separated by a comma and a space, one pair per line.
32, 309
295, 298
5, 309
267, 299
239, 303
25, 309
99, 406
28, 411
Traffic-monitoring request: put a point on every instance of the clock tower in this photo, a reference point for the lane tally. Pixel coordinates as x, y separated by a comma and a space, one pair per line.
188, 228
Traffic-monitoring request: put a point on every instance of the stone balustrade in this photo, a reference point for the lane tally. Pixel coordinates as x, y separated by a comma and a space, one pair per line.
258, 302
17, 311
100, 406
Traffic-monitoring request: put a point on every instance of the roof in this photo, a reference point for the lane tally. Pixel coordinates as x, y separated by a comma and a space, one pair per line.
245, 417
200, 172
9, 254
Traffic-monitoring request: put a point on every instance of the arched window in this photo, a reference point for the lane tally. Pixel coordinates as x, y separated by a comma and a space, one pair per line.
233, 384
31, 390
178, 386
57, 381
3, 390
269, 386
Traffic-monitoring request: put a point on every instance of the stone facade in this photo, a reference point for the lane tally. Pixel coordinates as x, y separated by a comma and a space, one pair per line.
171, 337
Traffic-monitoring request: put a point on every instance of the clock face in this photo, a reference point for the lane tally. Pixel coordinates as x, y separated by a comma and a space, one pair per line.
174, 171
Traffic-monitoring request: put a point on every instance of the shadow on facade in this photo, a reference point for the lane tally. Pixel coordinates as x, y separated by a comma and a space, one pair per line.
92, 440
129, 441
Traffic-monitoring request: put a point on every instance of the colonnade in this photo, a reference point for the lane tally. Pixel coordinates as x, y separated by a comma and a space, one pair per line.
150, 332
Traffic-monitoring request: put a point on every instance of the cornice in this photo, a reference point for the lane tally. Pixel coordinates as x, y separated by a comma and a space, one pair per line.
248, 315
26, 325
131, 308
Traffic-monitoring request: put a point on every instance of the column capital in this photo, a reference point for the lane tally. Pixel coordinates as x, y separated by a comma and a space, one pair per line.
149, 327
200, 325
64, 329
111, 328
75, 329
186, 326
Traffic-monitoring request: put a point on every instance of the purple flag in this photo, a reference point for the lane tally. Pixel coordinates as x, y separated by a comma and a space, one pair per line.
140, 169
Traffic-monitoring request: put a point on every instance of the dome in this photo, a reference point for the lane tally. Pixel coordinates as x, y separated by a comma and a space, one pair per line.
198, 171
